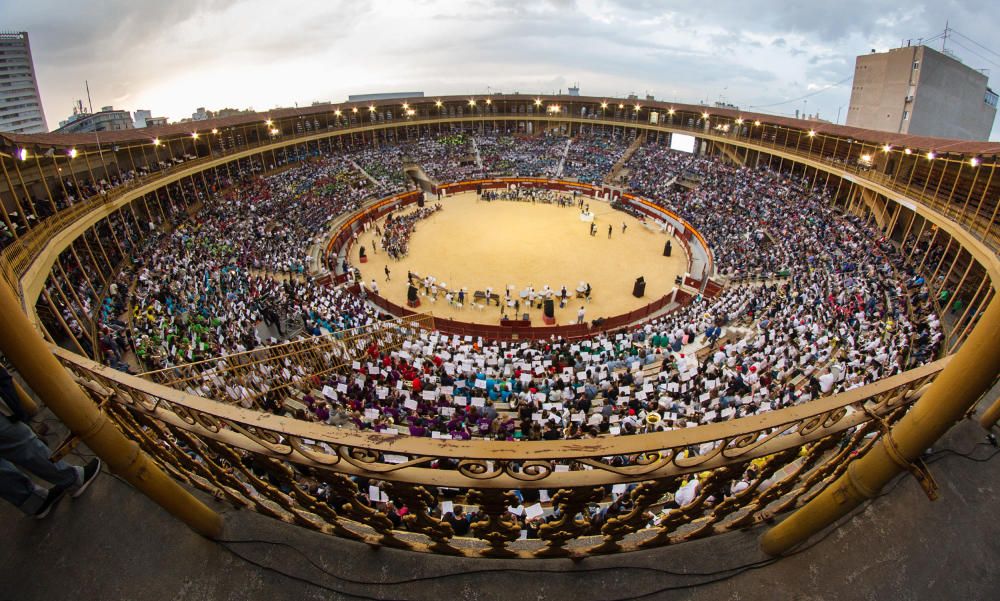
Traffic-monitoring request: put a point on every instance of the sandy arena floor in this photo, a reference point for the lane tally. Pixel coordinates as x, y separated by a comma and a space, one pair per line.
475, 244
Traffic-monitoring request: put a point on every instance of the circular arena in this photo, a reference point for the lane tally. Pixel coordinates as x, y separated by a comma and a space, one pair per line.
509, 326
509, 251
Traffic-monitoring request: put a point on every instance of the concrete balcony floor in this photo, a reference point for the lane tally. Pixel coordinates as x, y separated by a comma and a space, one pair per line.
113, 543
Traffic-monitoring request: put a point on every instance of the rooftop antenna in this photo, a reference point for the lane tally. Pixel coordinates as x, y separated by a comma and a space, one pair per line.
944, 40
89, 103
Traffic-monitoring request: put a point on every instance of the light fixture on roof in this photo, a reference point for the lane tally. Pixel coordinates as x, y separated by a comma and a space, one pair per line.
604, 105
371, 108
406, 106
812, 133
621, 105
156, 141
886, 148
739, 121
72, 153
194, 135
439, 104
472, 102
974, 161
215, 130
336, 113
269, 123
22, 153
354, 109
538, 102
488, 101
704, 115
907, 151
756, 123
637, 107
930, 155
670, 111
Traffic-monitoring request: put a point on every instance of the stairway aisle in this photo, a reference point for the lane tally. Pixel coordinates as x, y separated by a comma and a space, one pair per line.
479, 158
377, 183
562, 159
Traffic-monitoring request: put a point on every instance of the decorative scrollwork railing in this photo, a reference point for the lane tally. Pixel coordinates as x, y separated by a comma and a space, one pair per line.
608, 494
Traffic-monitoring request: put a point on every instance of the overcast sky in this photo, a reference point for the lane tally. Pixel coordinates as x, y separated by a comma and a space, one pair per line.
173, 56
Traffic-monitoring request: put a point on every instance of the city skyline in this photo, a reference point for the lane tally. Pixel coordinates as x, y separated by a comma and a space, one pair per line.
172, 59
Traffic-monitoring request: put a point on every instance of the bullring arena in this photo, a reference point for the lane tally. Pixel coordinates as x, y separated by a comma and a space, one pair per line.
477, 245
207, 290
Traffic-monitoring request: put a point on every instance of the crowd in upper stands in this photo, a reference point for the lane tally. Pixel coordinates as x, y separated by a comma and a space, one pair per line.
591, 157
521, 155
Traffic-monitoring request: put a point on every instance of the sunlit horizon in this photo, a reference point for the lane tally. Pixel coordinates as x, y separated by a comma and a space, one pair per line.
761, 56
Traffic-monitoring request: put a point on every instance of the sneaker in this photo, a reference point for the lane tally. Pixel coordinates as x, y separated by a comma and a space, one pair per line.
90, 472
51, 500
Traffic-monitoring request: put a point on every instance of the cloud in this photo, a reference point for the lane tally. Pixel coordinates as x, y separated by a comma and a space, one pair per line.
172, 57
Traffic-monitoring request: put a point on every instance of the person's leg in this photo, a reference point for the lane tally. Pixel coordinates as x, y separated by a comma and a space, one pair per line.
20, 446
19, 490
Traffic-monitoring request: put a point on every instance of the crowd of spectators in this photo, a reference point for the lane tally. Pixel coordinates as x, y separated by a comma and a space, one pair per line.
818, 303
835, 314
202, 289
28, 211
653, 167
838, 309
518, 155
447, 158
592, 156
397, 230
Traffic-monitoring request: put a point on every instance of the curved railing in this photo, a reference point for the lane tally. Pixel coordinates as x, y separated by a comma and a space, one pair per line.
596, 495
331, 479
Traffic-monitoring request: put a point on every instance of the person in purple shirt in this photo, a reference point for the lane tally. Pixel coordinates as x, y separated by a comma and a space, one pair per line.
455, 423
507, 428
322, 411
483, 424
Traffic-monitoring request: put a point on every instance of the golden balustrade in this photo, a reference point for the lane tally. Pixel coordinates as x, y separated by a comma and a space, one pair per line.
316, 475
274, 465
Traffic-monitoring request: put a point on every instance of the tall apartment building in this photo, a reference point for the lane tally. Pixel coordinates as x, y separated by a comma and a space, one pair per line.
919, 91
20, 103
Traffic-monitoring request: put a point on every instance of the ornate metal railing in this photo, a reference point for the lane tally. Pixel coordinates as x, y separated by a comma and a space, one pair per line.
595, 495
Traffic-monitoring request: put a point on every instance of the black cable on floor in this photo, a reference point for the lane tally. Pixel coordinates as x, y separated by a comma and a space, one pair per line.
488, 571
714, 577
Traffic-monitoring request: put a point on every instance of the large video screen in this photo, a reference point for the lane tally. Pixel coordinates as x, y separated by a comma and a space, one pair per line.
682, 142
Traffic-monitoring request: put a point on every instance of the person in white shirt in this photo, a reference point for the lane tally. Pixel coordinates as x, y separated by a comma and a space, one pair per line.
687, 493
826, 382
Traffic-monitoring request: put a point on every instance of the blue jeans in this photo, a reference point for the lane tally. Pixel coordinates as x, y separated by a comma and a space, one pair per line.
20, 448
